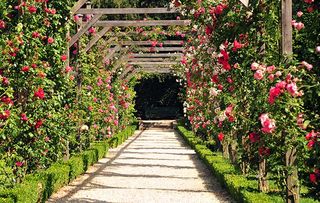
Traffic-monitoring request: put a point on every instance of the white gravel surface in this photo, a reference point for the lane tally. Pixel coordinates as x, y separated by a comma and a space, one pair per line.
152, 166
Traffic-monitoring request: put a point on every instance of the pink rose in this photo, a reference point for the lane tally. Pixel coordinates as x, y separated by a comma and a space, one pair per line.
292, 89
259, 75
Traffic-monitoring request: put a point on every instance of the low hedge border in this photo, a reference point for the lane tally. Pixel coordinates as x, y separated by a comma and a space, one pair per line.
239, 187
40, 186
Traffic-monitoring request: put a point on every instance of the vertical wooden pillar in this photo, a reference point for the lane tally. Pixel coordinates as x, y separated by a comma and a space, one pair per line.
67, 149
287, 50
286, 19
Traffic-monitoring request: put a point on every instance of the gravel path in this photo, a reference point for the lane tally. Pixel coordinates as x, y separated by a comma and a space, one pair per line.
152, 166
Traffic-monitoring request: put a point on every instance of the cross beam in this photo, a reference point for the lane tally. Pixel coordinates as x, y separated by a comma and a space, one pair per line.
96, 38
157, 55
123, 11
139, 23
84, 29
146, 43
142, 63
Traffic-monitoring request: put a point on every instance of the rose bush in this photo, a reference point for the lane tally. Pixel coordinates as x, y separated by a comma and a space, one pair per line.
49, 110
241, 92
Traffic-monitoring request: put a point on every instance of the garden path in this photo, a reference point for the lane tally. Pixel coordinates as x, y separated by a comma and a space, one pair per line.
154, 165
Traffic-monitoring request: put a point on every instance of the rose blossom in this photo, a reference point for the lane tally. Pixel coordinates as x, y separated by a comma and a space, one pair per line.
220, 136
299, 14
292, 89
259, 75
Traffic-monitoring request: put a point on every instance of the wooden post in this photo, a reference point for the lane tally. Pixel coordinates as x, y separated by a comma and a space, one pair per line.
292, 176
286, 15
290, 156
263, 183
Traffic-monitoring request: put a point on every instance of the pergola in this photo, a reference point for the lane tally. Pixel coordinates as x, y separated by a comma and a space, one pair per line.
146, 58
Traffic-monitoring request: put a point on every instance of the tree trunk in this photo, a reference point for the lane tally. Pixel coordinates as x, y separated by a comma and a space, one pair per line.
263, 183
292, 176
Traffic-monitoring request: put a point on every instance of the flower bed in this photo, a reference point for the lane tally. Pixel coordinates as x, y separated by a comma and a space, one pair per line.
241, 188
39, 186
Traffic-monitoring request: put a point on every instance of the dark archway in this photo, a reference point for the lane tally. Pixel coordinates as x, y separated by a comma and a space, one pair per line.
158, 97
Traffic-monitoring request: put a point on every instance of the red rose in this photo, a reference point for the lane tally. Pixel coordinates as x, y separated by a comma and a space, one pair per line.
39, 93
313, 178
254, 137
220, 137
38, 124
50, 40
6, 100
24, 117
25, 69
32, 9
5, 115
2, 24
64, 57
19, 163
5, 81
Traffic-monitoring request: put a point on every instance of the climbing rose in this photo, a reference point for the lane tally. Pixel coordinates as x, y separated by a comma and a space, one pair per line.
318, 49
69, 69
19, 164
35, 35
7, 100
313, 178
309, 1
311, 135
292, 89
32, 9
209, 30
258, 75
92, 30
50, 40
24, 117
310, 144
254, 137
220, 136
5, 115
254, 66
274, 92
298, 25
64, 57
25, 68
236, 45
268, 125
2, 24
38, 124
307, 65
299, 13
264, 151
39, 93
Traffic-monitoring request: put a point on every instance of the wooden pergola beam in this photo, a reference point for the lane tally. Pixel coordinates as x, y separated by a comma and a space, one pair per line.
96, 38
121, 61
157, 55
112, 52
124, 11
84, 29
77, 6
151, 59
139, 23
166, 63
161, 49
146, 43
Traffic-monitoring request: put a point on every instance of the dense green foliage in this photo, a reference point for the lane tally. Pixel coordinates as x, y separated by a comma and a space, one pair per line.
39, 186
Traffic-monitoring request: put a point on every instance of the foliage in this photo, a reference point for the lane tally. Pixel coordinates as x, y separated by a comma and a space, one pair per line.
242, 188
39, 186
255, 103
50, 109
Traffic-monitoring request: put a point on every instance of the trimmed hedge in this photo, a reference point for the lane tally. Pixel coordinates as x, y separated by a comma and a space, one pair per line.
239, 187
40, 186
